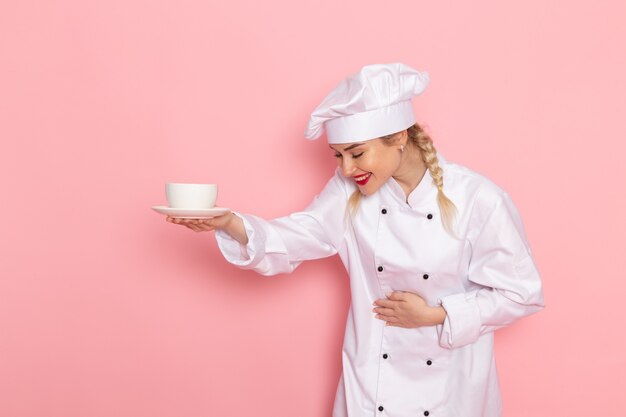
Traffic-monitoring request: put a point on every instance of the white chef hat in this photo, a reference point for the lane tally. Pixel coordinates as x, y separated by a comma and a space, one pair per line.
372, 103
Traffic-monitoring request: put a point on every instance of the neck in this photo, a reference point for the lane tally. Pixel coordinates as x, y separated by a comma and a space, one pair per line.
411, 171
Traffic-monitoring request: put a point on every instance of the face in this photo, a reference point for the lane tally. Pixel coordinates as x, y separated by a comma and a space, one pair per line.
369, 163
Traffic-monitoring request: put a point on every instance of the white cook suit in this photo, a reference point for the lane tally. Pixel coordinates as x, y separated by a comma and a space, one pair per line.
484, 279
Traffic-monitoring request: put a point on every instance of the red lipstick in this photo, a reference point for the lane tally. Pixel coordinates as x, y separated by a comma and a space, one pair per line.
364, 180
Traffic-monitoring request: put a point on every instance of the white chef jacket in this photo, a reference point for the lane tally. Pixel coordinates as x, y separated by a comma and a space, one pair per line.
484, 279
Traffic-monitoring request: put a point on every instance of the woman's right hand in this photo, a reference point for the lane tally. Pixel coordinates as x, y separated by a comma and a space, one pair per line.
230, 223
202, 225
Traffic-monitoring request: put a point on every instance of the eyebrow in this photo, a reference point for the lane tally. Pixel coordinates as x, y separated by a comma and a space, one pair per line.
354, 145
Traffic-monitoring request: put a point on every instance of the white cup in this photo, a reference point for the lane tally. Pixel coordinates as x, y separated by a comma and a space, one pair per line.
191, 196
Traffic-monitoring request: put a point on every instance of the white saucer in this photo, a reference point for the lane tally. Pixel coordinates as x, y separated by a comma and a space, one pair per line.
183, 213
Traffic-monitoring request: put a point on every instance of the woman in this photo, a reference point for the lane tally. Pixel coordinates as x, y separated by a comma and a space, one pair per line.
436, 253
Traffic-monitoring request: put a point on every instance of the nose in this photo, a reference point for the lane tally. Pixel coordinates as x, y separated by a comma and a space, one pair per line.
347, 166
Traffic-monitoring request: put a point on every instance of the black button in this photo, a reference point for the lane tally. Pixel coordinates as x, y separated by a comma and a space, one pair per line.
429, 362
384, 211
380, 408
425, 276
380, 269
385, 356
426, 413
430, 216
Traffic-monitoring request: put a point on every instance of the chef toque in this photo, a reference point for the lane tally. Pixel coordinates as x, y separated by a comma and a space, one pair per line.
372, 103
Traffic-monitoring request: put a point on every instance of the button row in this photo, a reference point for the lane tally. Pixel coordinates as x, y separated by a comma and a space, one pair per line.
381, 408
429, 216
381, 269
428, 362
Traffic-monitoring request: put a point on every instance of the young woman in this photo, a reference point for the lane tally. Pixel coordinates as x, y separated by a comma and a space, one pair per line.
436, 253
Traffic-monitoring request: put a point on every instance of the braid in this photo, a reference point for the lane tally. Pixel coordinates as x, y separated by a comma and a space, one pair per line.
429, 156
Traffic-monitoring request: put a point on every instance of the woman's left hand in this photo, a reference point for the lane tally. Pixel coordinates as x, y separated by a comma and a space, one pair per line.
407, 309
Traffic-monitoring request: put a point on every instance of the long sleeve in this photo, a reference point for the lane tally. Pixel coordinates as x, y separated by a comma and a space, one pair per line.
280, 245
509, 284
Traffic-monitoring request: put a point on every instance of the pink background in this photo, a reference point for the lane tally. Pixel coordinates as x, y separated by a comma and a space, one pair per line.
107, 310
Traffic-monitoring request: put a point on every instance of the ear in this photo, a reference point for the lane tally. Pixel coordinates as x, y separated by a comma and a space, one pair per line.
401, 139
404, 137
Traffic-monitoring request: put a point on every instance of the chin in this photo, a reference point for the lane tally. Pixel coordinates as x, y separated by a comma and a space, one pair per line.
368, 190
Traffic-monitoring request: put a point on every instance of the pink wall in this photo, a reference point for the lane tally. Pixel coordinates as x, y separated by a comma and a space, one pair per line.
107, 310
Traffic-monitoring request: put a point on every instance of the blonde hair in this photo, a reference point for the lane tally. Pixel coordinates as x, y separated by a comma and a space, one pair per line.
419, 138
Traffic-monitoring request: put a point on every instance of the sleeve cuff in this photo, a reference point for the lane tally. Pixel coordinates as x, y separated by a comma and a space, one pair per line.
462, 323
243, 256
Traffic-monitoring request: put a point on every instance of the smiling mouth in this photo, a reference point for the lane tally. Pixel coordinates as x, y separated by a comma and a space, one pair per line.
362, 179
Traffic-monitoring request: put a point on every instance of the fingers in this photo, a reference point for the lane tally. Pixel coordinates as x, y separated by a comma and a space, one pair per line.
388, 319
393, 297
396, 295
386, 303
387, 309
384, 311
386, 314
197, 225
397, 324
193, 227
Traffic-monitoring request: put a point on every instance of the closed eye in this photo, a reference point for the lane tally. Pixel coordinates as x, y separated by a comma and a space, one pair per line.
358, 155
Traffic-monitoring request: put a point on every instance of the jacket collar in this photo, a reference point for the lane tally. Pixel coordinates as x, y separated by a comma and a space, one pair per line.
418, 196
